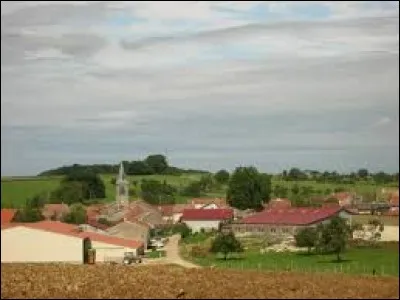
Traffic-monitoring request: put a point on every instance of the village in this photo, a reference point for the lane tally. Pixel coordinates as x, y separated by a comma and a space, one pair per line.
131, 231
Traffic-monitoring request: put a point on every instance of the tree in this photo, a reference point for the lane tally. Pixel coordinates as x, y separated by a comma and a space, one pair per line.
157, 162
339, 189
363, 173
193, 189
295, 189
70, 192
28, 215
76, 215
207, 183
139, 168
92, 185
225, 244
36, 202
280, 191
155, 192
306, 237
248, 188
222, 176
335, 236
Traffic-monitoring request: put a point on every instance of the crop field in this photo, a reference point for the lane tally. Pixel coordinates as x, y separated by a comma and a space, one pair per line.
160, 282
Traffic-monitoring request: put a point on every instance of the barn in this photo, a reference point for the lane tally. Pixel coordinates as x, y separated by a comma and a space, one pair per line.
53, 241
208, 219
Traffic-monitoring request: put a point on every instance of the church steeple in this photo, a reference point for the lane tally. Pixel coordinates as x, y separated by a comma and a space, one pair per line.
122, 192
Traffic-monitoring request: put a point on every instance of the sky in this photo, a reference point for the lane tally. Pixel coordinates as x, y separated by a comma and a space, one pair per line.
211, 85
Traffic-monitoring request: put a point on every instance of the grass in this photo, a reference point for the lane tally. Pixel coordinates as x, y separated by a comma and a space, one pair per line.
16, 190
385, 260
156, 254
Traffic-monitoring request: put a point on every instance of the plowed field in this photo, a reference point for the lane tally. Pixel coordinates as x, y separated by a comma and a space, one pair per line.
108, 281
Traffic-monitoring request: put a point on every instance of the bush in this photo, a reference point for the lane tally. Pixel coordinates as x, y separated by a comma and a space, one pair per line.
198, 251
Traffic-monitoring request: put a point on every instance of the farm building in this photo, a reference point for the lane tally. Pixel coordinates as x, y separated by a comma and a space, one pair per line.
208, 203
208, 219
172, 213
53, 241
7, 215
286, 221
131, 230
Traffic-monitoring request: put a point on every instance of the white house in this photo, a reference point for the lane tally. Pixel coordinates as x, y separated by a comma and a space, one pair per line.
52, 241
208, 219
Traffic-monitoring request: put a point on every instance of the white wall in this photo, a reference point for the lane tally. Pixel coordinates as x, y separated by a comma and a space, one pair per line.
107, 252
197, 225
21, 244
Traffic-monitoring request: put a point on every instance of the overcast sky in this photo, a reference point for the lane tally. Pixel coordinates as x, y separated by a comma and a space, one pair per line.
210, 84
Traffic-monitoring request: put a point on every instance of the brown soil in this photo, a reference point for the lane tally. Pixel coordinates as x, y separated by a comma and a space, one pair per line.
117, 281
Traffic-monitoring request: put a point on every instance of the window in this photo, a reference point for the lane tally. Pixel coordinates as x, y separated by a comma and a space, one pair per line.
273, 229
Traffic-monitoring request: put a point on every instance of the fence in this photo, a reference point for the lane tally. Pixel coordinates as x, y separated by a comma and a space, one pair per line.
344, 268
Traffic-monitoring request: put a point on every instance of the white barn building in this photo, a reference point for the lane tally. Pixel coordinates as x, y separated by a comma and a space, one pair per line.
51, 241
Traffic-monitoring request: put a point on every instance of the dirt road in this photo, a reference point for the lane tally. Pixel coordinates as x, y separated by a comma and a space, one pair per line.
172, 254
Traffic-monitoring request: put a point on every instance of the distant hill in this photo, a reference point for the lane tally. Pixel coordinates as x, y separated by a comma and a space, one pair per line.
153, 164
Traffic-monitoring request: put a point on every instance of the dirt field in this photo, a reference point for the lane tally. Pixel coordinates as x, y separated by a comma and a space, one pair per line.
78, 281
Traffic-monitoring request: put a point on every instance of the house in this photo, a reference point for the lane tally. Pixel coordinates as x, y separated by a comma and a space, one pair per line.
138, 231
345, 199
55, 211
208, 203
286, 221
278, 203
7, 215
208, 219
53, 241
172, 213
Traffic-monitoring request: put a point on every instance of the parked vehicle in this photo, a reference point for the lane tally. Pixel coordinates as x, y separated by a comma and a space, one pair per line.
130, 258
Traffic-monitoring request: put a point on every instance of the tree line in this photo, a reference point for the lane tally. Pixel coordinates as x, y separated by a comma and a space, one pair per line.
296, 174
152, 164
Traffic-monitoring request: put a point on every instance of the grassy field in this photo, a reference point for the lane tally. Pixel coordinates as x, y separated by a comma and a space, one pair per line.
16, 190
385, 260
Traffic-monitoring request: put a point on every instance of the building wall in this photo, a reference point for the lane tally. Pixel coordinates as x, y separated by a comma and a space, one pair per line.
207, 225
106, 252
21, 244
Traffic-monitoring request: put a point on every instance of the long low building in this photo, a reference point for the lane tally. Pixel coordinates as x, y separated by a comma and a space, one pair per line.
53, 241
207, 219
286, 221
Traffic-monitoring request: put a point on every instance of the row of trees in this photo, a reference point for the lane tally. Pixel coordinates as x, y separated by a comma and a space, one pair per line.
334, 236
152, 164
362, 174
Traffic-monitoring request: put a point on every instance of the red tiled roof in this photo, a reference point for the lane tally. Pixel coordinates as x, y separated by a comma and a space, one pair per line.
394, 200
207, 214
170, 209
7, 214
292, 216
72, 230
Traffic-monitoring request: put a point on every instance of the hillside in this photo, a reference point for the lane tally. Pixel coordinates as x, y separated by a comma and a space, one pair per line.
138, 282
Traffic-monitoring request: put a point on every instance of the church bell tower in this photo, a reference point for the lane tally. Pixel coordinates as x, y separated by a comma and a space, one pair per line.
122, 185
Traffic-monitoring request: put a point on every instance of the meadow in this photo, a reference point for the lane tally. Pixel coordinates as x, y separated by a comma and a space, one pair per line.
383, 258
16, 190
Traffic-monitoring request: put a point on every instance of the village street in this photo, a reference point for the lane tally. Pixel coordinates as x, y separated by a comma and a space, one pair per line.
172, 254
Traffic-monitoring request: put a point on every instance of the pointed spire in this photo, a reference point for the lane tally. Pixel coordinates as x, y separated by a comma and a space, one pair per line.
121, 172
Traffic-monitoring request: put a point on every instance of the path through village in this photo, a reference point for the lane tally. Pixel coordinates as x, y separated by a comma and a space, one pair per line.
172, 254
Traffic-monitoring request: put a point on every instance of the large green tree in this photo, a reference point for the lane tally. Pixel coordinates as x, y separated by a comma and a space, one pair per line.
157, 162
92, 185
248, 188
156, 192
225, 244
222, 176
306, 237
334, 236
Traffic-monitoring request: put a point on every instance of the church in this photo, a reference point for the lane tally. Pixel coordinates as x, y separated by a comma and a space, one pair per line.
122, 188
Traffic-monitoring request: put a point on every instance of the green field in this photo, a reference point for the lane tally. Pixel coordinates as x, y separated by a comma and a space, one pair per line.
385, 260
18, 189
386, 220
